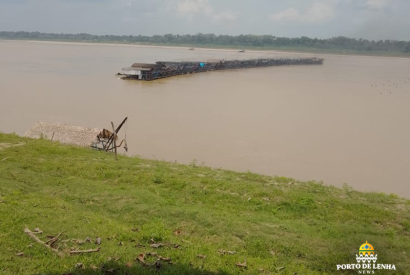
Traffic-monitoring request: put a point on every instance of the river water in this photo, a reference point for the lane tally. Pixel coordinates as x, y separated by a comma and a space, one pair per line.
344, 122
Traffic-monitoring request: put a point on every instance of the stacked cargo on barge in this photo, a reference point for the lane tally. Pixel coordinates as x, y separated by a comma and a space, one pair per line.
160, 69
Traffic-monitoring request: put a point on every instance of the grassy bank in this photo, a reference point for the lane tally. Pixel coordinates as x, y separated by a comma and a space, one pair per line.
278, 225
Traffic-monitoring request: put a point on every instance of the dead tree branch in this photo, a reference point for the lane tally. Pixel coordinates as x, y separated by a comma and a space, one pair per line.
73, 252
53, 240
34, 237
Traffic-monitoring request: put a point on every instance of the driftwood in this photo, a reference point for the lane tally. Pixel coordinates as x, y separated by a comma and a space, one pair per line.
37, 231
165, 259
223, 252
157, 245
54, 239
34, 237
156, 264
97, 240
72, 252
242, 265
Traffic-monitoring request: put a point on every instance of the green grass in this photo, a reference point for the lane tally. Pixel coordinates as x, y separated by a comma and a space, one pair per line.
272, 222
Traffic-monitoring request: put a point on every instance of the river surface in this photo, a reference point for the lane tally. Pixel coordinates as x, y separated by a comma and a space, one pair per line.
344, 122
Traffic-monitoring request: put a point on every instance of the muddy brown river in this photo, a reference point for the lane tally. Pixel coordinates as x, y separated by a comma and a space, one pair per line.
344, 122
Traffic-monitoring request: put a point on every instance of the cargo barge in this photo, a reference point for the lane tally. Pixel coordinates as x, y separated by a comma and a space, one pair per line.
162, 69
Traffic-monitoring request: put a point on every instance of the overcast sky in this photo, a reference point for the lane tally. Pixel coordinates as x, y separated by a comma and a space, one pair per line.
371, 19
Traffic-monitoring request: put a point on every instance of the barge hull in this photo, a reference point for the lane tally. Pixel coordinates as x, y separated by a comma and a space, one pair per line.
161, 69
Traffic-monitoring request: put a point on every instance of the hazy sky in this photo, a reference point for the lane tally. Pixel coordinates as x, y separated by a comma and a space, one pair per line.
372, 19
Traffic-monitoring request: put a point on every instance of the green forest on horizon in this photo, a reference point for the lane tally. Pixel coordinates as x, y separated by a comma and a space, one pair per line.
338, 44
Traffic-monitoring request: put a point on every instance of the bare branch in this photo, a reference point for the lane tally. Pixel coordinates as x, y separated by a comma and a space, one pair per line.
73, 252
34, 237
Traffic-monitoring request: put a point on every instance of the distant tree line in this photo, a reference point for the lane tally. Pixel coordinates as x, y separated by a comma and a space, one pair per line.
257, 41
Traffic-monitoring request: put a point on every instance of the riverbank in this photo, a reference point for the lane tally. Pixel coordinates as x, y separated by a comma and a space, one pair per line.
274, 224
230, 48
